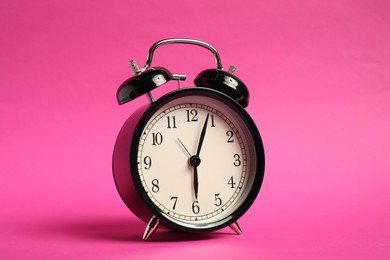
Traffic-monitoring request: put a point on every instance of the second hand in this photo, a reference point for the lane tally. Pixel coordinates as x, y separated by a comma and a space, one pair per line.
184, 148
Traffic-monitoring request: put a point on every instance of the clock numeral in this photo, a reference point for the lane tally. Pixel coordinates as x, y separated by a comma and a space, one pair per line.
171, 121
237, 161
147, 162
230, 135
212, 121
195, 207
231, 183
174, 199
157, 138
218, 200
192, 115
155, 187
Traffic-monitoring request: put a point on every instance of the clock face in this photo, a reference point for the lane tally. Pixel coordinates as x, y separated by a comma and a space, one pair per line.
196, 161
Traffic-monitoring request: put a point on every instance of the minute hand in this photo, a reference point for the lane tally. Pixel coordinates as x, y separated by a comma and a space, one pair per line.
202, 135
195, 160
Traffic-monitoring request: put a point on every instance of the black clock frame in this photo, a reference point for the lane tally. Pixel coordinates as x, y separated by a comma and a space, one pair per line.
149, 205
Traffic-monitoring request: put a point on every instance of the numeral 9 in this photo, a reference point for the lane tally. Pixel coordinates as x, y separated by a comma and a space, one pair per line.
147, 162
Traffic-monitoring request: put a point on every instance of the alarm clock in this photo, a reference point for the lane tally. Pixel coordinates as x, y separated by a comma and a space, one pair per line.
193, 159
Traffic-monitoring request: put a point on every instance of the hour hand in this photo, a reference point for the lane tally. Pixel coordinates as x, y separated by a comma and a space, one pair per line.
196, 182
195, 161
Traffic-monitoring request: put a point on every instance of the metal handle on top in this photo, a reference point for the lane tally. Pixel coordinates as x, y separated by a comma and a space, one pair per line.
182, 41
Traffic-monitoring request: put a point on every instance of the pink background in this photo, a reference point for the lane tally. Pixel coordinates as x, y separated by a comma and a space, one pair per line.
319, 76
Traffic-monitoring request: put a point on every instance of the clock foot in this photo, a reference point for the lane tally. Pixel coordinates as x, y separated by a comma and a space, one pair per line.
151, 227
236, 228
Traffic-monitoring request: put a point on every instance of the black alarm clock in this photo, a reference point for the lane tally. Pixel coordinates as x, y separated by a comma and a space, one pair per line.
192, 160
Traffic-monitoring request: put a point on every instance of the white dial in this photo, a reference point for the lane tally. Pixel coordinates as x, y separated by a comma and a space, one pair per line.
196, 160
